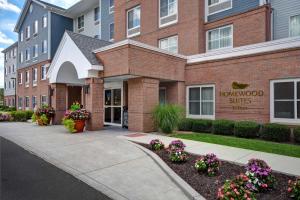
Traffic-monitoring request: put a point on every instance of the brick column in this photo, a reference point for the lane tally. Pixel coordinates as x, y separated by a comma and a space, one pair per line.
59, 101
94, 103
142, 98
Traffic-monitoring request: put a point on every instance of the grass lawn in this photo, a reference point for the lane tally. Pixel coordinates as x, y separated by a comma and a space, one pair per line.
252, 144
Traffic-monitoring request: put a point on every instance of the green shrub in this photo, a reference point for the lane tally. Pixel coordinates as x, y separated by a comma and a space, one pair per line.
29, 114
186, 124
34, 118
223, 127
19, 116
246, 129
167, 117
297, 134
276, 132
202, 126
70, 125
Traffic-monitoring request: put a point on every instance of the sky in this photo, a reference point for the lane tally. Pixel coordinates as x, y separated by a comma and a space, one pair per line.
9, 13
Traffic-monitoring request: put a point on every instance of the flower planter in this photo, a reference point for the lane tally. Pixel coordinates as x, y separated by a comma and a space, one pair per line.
79, 125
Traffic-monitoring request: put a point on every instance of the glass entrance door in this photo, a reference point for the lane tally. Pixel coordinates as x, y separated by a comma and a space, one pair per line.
113, 107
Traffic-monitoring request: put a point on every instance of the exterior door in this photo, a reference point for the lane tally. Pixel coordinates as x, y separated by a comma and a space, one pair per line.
113, 107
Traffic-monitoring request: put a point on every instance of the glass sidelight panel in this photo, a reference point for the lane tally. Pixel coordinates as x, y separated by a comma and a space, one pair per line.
113, 106
107, 100
108, 115
117, 97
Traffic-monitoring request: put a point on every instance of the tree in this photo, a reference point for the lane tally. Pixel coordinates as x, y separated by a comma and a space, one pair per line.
1, 96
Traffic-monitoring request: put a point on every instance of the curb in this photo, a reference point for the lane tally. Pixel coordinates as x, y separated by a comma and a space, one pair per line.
190, 192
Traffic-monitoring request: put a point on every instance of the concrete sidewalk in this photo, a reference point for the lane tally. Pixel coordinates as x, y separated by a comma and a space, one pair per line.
283, 164
112, 165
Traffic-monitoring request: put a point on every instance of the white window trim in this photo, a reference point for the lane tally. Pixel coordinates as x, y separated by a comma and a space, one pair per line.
27, 108
22, 36
207, 38
138, 33
212, 117
111, 8
45, 50
290, 24
34, 77
45, 19
81, 28
169, 23
28, 32
167, 38
36, 27
21, 79
28, 78
110, 39
36, 52
45, 76
294, 121
218, 4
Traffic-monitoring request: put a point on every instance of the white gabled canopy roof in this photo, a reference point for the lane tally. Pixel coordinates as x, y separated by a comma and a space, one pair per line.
69, 52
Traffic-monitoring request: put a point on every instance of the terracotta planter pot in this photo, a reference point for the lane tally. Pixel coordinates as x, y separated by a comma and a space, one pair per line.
79, 125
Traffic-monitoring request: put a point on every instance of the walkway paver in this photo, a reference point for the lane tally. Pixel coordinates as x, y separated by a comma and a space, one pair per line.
112, 165
284, 164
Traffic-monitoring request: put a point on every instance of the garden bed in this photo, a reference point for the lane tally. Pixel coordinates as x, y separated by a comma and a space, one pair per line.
208, 186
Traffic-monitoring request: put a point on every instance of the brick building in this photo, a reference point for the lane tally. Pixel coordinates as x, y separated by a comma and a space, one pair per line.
220, 59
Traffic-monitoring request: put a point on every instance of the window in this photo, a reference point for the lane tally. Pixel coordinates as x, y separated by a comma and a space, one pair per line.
81, 22
9, 69
21, 36
13, 68
201, 101
27, 54
35, 51
33, 101
34, 76
97, 14
169, 44
45, 22
162, 96
27, 77
216, 6
285, 101
20, 102
220, 38
30, 8
111, 6
13, 84
44, 100
5, 56
35, 27
21, 58
20, 78
9, 85
44, 46
168, 12
133, 21
43, 72
27, 102
295, 26
15, 52
111, 31
27, 32
5, 71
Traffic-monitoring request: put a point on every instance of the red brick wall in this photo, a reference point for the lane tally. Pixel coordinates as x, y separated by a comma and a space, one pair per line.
189, 27
40, 89
257, 71
248, 28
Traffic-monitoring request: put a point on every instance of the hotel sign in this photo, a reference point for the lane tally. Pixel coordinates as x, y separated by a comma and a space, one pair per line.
242, 98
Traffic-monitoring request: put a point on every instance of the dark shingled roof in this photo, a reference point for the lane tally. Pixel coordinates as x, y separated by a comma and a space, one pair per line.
87, 45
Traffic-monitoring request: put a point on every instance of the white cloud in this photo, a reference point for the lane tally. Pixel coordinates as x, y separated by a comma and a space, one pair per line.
1, 69
7, 25
5, 40
63, 3
5, 5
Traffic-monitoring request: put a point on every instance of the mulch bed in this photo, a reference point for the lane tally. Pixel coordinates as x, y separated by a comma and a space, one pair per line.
208, 186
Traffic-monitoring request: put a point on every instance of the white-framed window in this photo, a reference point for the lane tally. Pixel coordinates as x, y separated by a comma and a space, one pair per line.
97, 14
216, 6
9, 69
80, 22
31, 8
220, 38
45, 21
295, 26
5, 56
27, 32
20, 78
27, 54
13, 84
168, 12
169, 44
21, 57
111, 31
27, 77
27, 102
9, 85
15, 52
201, 101
13, 68
35, 27
34, 101
20, 102
111, 6
34, 76
21, 36
134, 21
285, 101
43, 72
44, 46
44, 100
35, 51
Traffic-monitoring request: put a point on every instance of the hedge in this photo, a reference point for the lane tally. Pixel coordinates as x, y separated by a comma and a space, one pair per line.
202, 126
223, 127
297, 134
186, 124
21, 116
246, 129
276, 132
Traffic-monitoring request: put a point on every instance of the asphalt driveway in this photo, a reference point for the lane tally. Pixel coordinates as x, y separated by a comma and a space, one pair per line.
25, 176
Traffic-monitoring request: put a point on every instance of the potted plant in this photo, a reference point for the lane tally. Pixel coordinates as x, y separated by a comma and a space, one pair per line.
43, 116
75, 118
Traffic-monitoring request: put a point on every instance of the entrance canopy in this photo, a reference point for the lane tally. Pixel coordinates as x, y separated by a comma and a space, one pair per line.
75, 56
